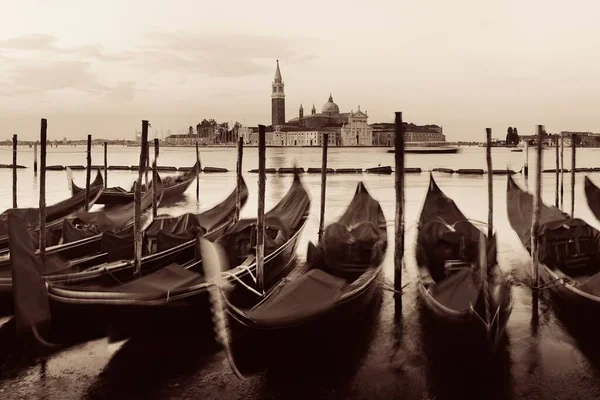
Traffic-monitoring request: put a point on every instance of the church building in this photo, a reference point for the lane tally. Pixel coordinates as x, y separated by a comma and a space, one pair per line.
344, 129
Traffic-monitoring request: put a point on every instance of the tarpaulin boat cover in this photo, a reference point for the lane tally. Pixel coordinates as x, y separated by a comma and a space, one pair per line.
31, 216
313, 292
592, 195
113, 219
170, 231
29, 291
280, 223
349, 245
445, 234
459, 291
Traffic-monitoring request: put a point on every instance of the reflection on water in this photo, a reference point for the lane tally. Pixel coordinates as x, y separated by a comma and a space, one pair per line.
379, 355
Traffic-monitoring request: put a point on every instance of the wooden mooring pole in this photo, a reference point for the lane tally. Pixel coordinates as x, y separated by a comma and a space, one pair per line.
562, 169
573, 167
42, 205
260, 226
535, 229
557, 168
154, 176
198, 174
137, 222
88, 172
238, 177
526, 165
325, 142
105, 164
490, 174
399, 217
147, 165
14, 171
35, 159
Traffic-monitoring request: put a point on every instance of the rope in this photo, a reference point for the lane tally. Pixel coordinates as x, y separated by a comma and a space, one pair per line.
243, 284
247, 269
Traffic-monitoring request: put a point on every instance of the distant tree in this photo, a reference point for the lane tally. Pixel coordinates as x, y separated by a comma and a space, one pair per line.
509, 135
516, 136
191, 131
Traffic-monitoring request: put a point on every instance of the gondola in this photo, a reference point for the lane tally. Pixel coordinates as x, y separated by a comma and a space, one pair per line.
173, 187
454, 285
87, 258
338, 279
55, 214
568, 249
592, 195
172, 279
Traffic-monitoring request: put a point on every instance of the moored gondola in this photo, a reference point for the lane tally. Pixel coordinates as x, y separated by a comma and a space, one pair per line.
55, 214
173, 188
173, 279
568, 249
460, 281
338, 279
87, 258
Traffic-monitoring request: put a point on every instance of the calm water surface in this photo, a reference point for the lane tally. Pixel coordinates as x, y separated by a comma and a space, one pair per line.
389, 354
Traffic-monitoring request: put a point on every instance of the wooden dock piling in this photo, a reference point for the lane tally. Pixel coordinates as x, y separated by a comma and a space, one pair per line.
238, 178
154, 175
573, 166
197, 175
535, 229
490, 175
35, 159
325, 143
399, 217
137, 222
88, 172
42, 204
260, 226
105, 164
14, 172
526, 164
557, 168
562, 169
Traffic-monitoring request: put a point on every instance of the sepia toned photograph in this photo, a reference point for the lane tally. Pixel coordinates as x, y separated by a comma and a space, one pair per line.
315, 200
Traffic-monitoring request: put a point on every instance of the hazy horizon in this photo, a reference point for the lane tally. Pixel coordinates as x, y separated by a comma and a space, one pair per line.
101, 68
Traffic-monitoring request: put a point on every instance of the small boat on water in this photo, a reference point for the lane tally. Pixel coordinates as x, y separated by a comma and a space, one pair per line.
55, 214
429, 150
338, 279
173, 187
460, 281
568, 247
169, 280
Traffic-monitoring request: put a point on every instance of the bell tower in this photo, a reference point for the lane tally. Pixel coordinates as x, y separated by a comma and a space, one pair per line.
277, 99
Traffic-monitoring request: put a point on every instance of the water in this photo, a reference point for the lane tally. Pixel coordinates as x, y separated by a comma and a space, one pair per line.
390, 358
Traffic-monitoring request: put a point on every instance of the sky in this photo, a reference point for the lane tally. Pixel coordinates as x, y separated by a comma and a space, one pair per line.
100, 68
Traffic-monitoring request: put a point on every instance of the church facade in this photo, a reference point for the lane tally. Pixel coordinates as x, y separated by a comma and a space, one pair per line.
343, 128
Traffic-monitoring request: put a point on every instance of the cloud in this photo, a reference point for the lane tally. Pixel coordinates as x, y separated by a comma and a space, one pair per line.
222, 55
28, 78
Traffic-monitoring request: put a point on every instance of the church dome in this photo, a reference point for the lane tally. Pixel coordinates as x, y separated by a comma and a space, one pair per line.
330, 107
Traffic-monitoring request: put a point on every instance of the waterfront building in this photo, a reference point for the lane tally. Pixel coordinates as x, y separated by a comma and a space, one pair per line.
384, 134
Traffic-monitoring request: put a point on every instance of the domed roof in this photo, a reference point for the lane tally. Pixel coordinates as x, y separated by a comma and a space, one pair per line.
330, 107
